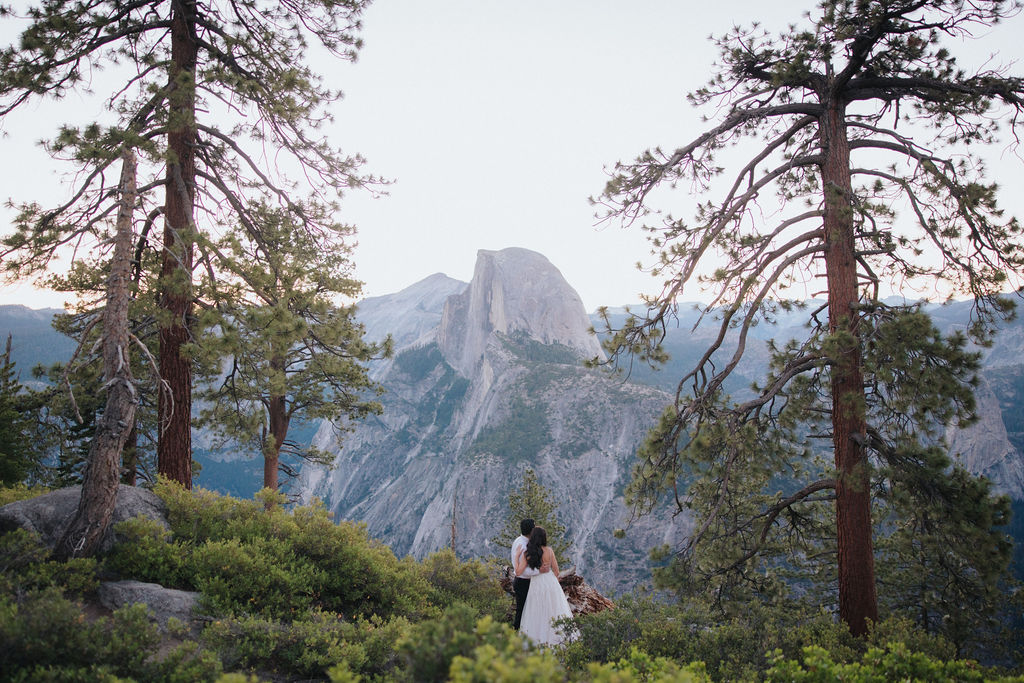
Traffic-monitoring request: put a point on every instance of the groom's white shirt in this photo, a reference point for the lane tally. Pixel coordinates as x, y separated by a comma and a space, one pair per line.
518, 548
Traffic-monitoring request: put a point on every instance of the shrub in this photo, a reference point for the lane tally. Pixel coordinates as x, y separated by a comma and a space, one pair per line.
253, 577
379, 639
145, 552
904, 631
471, 582
513, 664
641, 667
510, 663
356, 575
732, 649
16, 492
44, 636
24, 566
894, 663
248, 559
430, 647
306, 647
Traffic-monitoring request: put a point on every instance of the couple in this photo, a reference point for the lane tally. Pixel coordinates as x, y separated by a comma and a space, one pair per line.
539, 596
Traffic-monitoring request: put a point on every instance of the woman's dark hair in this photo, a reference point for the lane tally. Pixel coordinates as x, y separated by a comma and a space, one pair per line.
535, 547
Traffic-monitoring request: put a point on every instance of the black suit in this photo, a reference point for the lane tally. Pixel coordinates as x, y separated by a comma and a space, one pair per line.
520, 587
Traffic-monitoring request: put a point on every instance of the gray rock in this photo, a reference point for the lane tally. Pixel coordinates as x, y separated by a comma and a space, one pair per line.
984, 448
409, 314
163, 603
513, 291
49, 514
498, 387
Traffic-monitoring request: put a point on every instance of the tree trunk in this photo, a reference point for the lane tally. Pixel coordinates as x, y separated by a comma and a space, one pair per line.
278, 431
99, 486
130, 458
858, 602
174, 406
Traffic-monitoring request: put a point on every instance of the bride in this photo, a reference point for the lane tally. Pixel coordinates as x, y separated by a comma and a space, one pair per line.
546, 601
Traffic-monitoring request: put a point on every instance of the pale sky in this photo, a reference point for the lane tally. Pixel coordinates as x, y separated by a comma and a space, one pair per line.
495, 120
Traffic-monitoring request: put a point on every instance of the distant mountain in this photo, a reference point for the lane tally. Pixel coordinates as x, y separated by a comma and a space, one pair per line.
487, 379
495, 387
33, 339
993, 447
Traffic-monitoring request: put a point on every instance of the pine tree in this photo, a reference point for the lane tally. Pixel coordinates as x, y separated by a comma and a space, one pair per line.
217, 101
17, 454
86, 528
280, 347
533, 500
841, 120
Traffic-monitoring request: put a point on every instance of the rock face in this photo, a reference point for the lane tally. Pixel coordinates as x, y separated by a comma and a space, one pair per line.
411, 313
984, 448
513, 291
162, 603
48, 515
496, 387
487, 380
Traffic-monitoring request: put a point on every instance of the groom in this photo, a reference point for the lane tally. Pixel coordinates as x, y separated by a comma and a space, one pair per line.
521, 584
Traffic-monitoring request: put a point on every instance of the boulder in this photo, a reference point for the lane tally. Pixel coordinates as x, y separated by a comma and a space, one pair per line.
49, 514
163, 603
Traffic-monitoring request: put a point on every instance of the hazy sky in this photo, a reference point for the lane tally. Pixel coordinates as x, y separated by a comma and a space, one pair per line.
495, 120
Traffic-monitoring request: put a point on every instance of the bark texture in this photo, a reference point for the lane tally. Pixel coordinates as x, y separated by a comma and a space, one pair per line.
278, 410
102, 474
174, 445
858, 601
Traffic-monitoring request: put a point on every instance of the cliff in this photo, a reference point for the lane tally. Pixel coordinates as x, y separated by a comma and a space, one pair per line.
496, 387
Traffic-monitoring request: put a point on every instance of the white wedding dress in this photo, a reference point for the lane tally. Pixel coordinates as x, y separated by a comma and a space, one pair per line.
545, 602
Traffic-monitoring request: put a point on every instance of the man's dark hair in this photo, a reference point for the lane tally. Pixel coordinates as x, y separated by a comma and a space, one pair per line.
526, 526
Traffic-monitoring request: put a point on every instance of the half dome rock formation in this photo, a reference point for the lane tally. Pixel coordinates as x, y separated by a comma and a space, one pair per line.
496, 387
514, 292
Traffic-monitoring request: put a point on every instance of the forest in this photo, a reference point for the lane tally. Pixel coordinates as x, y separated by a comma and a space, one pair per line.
833, 537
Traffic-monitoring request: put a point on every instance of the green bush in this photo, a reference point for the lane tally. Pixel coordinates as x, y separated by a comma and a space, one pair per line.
506, 663
44, 636
248, 559
732, 649
356, 575
16, 492
431, 645
24, 566
306, 647
310, 647
513, 664
896, 662
145, 552
472, 582
379, 639
640, 667
252, 577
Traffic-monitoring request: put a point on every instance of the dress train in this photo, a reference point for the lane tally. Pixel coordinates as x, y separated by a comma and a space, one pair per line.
544, 603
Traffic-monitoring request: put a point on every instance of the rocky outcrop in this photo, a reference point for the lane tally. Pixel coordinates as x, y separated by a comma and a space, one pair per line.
498, 387
513, 291
161, 603
984, 448
48, 515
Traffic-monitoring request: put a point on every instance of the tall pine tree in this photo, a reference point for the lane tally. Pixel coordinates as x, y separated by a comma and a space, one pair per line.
837, 122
